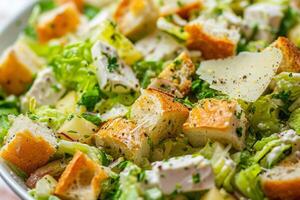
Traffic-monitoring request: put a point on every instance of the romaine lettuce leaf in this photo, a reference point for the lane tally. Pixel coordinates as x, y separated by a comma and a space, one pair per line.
294, 120
248, 182
264, 116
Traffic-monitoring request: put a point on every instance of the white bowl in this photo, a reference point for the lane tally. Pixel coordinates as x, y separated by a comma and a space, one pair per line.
8, 37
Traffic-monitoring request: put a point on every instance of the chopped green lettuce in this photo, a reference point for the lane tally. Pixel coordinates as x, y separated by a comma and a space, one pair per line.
294, 120
90, 98
287, 85
146, 70
276, 155
95, 118
248, 182
223, 166
48, 115
73, 66
264, 116
96, 154
8, 106
202, 90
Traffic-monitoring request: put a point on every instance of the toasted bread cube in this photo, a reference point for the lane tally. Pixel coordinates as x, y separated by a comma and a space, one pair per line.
181, 7
18, 65
46, 90
28, 145
77, 129
216, 120
291, 55
81, 180
58, 22
282, 182
122, 137
159, 46
79, 3
178, 74
159, 114
213, 38
136, 18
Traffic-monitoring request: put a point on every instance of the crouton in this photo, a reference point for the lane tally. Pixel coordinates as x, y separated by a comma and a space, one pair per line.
81, 180
159, 114
122, 137
28, 145
79, 3
216, 120
77, 129
46, 90
178, 74
214, 39
291, 55
18, 65
181, 7
58, 22
136, 18
282, 182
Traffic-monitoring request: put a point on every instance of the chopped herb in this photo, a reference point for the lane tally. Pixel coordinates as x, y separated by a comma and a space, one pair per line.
239, 131
185, 102
90, 98
92, 117
196, 178
112, 62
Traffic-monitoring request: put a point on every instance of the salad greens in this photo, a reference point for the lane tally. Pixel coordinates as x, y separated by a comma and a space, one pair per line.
170, 134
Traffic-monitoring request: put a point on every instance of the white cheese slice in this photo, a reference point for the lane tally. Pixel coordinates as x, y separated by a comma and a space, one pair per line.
245, 76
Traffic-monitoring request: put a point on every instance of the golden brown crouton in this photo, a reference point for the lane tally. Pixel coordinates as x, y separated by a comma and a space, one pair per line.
27, 151
282, 182
28, 145
122, 137
58, 22
81, 180
211, 40
216, 120
291, 55
175, 79
136, 18
17, 68
159, 114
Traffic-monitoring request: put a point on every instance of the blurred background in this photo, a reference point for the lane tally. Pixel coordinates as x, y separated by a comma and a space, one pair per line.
8, 10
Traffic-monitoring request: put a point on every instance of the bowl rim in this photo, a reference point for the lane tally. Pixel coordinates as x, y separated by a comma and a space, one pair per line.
14, 182
8, 34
